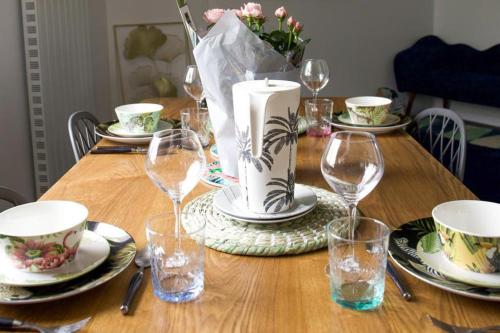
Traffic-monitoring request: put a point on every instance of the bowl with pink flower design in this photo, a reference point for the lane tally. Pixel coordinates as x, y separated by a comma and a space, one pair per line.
41, 235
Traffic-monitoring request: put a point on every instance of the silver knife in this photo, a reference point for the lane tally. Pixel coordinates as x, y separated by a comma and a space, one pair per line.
118, 150
400, 284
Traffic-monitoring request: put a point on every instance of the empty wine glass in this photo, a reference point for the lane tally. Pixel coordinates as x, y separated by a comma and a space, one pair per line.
193, 86
175, 163
352, 165
315, 75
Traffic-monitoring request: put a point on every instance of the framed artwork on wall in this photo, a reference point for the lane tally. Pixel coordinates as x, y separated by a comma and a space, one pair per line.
151, 59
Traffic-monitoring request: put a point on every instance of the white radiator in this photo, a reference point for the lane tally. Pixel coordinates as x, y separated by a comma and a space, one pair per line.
59, 77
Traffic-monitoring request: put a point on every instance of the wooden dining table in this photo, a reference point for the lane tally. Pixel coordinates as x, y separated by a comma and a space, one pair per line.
259, 294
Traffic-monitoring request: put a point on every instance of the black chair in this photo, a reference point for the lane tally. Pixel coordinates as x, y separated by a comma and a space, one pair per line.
442, 132
81, 127
11, 196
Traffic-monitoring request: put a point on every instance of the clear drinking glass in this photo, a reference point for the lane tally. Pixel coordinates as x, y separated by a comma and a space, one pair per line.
315, 75
352, 165
357, 263
198, 121
174, 281
193, 86
175, 163
318, 116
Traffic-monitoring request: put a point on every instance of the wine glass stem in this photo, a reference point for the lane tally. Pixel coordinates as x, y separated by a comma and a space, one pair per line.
315, 94
177, 230
352, 219
198, 106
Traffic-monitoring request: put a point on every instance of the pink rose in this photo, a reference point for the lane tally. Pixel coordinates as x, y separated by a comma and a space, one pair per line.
251, 9
213, 15
297, 28
280, 13
291, 22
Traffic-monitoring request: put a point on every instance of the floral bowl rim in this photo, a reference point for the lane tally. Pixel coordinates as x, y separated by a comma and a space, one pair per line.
77, 221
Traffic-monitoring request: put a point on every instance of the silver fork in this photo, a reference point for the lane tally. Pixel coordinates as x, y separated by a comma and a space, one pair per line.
460, 329
8, 323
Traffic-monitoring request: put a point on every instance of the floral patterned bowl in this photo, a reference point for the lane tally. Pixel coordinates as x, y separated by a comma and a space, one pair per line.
139, 118
42, 235
469, 232
368, 110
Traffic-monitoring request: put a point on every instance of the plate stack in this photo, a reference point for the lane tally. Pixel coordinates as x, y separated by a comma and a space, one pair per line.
47, 261
458, 249
113, 131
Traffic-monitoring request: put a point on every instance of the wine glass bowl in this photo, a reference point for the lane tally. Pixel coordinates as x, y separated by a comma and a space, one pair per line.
192, 84
175, 163
352, 165
315, 75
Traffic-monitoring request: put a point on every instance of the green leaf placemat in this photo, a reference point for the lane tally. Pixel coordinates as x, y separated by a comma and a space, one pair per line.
304, 234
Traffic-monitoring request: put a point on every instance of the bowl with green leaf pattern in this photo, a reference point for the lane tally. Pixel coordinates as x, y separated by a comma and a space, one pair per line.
469, 233
368, 110
139, 118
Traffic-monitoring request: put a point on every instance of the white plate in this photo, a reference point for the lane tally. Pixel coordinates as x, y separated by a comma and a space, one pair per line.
121, 255
117, 129
93, 250
130, 141
372, 129
226, 201
440, 263
390, 120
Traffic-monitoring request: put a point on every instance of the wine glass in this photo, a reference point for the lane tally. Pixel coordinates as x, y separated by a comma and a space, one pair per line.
193, 86
175, 163
315, 75
352, 165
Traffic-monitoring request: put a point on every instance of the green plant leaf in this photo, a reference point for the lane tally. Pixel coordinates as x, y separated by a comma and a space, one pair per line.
430, 243
143, 41
470, 242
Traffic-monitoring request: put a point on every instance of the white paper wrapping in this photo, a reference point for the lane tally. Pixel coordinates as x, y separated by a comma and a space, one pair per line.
228, 54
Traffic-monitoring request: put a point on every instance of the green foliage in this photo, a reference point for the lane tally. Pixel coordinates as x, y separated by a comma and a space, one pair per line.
59, 248
143, 41
430, 243
470, 242
280, 39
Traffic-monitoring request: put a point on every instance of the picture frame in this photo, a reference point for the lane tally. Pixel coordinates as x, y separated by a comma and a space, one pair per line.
151, 59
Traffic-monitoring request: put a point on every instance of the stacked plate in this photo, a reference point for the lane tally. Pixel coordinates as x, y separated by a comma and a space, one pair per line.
48, 261
228, 201
113, 131
391, 123
415, 248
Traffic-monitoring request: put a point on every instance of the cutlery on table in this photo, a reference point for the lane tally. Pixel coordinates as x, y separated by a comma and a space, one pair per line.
142, 260
398, 281
9, 323
460, 329
118, 150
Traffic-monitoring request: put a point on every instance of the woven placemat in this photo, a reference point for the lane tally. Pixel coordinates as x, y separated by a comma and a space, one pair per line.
301, 235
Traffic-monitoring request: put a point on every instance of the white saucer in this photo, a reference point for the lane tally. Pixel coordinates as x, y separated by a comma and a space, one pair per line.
440, 263
371, 129
391, 119
226, 200
117, 129
93, 250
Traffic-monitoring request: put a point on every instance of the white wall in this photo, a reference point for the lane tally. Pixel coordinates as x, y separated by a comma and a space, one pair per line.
16, 166
359, 39
476, 23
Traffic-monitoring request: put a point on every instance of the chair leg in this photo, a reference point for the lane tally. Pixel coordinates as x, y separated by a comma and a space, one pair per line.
411, 99
446, 103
